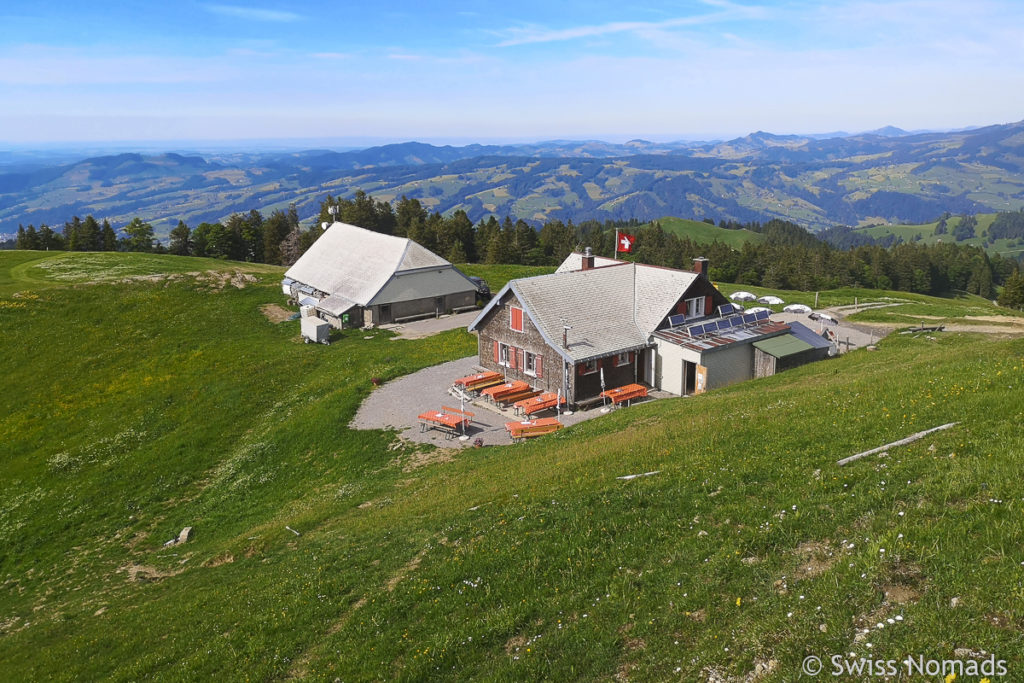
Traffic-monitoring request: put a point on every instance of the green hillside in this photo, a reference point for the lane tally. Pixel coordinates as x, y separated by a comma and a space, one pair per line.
705, 233
925, 233
135, 408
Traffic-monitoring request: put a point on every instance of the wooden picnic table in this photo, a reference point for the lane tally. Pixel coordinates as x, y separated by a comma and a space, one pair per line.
536, 404
480, 380
626, 393
451, 421
518, 396
530, 428
498, 392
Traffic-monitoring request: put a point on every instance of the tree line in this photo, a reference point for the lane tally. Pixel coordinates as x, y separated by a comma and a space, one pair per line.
789, 257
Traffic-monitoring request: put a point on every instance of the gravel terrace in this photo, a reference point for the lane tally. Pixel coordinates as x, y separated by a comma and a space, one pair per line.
396, 404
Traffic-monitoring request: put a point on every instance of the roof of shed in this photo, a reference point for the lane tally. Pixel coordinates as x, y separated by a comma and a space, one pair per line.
710, 342
356, 263
782, 346
806, 334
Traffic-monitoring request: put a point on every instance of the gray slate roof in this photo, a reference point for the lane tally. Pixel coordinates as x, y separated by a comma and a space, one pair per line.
611, 309
356, 263
574, 261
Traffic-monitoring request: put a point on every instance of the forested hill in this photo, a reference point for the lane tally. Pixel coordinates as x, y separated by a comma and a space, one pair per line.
880, 177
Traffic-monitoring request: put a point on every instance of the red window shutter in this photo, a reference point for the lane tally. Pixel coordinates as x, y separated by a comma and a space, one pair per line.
516, 318
537, 365
709, 305
580, 369
512, 353
497, 357
632, 356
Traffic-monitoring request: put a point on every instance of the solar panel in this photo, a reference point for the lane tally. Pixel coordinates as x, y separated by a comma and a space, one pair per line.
723, 324
676, 320
749, 318
726, 309
696, 330
735, 321
762, 315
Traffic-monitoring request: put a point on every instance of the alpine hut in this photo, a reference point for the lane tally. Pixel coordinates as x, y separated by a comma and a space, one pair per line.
598, 322
357, 277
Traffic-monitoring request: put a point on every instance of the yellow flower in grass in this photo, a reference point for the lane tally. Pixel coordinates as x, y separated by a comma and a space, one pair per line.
950, 678
738, 601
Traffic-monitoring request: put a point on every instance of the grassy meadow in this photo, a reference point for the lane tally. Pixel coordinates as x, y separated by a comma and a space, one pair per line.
925, 233
705, 233
135, 408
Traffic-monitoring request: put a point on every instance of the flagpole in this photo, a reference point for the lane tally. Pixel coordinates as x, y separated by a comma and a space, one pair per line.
616, 252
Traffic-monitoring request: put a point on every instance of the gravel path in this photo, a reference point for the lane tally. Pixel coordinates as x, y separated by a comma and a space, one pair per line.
397, 404
418, 329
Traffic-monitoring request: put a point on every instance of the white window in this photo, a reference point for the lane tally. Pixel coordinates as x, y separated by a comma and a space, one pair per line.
590, 367
621, 359
529, 364
504, 353
695, 307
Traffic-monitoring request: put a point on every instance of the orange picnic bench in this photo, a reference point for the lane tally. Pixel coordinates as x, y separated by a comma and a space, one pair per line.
480, 380
498, 392
451, 421
626, 393
530, 428
529, 406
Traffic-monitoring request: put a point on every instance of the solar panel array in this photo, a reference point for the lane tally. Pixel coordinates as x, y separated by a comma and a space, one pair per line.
729, 323
726, 309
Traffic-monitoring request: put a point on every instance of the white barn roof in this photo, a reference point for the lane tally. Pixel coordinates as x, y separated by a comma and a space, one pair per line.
349, 262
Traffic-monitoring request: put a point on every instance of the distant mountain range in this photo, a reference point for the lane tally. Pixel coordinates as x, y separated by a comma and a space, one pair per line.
886, 175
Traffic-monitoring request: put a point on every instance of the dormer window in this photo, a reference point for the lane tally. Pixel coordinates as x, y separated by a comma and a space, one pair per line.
695, 307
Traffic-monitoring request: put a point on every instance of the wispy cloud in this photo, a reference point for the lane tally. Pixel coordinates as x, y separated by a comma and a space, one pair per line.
538, 34
253, 13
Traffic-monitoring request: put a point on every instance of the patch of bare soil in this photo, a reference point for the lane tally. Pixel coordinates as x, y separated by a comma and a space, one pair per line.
219, 279
275, 313
900, 594
816, 558
514, 643
140, 572
1010, 330
412, 566
224, 558
423, 459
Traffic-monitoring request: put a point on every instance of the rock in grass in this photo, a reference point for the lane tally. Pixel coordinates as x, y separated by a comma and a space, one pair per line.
185, 535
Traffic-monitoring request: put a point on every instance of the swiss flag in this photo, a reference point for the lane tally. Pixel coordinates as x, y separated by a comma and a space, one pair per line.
625, 243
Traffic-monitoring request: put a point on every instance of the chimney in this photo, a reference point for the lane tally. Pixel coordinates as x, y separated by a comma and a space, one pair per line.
700, 266
588, 259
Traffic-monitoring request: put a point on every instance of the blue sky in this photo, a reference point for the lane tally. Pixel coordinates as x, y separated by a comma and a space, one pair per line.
501, 71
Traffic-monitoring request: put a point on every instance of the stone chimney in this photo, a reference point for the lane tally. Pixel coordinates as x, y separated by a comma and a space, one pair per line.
588, 259
700, 266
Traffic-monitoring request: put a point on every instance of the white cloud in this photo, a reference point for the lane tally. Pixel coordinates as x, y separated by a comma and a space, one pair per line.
539, 34
253, 13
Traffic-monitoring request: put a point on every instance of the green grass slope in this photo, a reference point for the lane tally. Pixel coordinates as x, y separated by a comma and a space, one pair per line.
925, 232
134, 409
705, 233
